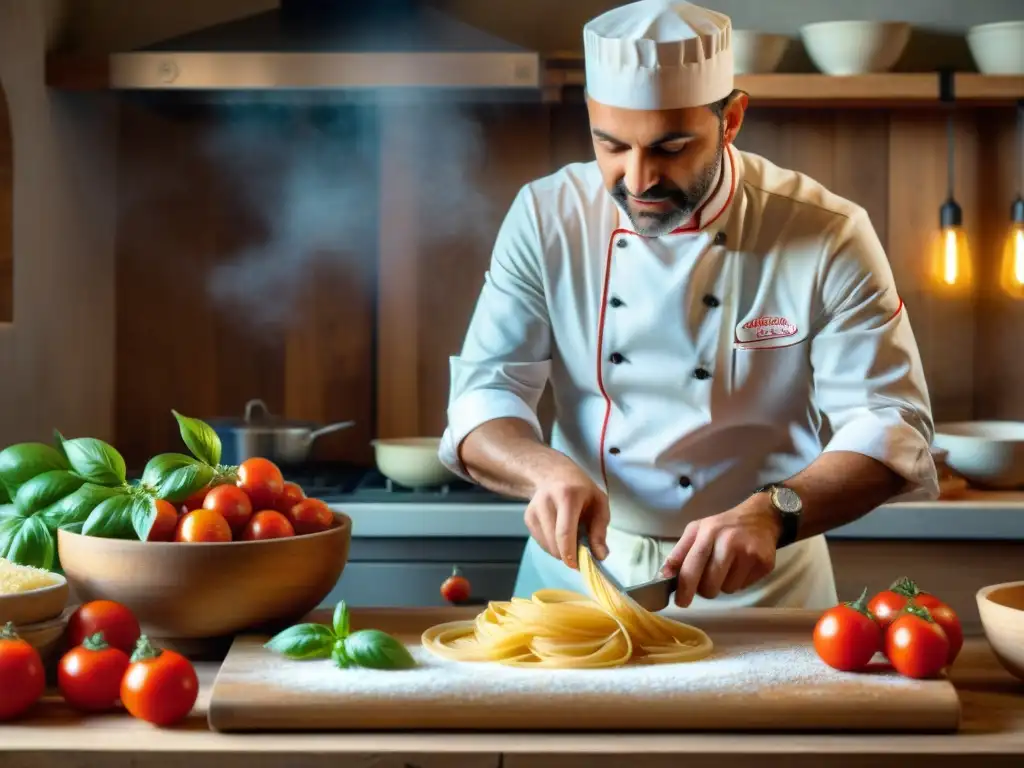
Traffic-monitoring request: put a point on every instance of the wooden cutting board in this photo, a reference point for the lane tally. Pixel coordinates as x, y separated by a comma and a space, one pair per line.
762, 675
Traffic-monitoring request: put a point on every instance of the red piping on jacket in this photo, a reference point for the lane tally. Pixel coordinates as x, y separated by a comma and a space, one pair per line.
604, 303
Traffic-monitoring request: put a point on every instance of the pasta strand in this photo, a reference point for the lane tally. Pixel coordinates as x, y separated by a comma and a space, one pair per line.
562, 629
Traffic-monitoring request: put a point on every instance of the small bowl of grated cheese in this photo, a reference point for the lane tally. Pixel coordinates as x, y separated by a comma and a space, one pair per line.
30, 595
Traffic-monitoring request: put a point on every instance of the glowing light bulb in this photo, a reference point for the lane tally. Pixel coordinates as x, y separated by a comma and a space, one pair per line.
950, 256
1018, 256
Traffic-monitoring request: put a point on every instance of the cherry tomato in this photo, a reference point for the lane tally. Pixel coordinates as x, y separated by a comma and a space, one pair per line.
310, 516
886, 606
203, 525
946, 618
847, 635
22, 677
232, 503
165, 522
290, 496
262, 481
916, 646
268, 524
455, 588
118, 624
195, 501
89, 675
160, 686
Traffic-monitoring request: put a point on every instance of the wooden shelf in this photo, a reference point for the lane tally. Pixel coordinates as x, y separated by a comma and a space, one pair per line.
898, 89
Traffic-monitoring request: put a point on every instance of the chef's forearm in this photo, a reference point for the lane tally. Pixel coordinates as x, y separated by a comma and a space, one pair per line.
505, 456
839, 487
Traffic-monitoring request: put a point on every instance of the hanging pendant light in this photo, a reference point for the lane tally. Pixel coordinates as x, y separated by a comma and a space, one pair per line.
1012, 275
952, 263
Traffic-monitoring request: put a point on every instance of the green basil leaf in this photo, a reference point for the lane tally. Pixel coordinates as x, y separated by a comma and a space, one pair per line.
33, 545
46, 489
73, 510
10, 521
378, 650
111, 519
338, 655
341, 622
200, 439
21, 462
186, 482
95, 460
58, 444
302, 642
143, 514
5, 498
161, 465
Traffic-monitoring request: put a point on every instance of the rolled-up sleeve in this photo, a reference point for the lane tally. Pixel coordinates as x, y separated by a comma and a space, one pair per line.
506, 357
868, 376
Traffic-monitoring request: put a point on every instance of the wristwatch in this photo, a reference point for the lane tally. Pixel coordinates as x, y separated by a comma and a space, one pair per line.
787, 503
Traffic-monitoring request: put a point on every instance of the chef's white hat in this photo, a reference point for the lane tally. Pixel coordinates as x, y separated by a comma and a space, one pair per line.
658, 54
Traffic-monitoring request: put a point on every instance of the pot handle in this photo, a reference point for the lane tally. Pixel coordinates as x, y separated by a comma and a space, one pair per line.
256, 408
328, 429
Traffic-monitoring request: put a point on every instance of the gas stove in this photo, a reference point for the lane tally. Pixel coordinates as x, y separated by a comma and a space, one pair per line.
347, 484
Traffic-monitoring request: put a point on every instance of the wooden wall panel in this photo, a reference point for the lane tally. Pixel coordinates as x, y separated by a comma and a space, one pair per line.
444, 202
365, 329
244, 272
6, 213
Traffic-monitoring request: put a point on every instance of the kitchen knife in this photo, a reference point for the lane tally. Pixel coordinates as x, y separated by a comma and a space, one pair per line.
653, 595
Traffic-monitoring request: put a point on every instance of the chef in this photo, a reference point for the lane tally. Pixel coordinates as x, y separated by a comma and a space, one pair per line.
733, 368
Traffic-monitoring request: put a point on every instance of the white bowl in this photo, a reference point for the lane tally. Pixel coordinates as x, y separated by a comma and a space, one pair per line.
985, 453
855, 47
757, 52
998, 49
411, 461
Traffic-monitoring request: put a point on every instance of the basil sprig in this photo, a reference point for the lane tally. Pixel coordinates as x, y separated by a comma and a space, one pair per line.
370, 648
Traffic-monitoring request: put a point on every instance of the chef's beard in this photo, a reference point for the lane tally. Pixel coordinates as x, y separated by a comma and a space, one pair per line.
684, 201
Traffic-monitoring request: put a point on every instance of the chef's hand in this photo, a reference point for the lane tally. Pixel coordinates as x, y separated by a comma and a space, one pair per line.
563, 498
725, 552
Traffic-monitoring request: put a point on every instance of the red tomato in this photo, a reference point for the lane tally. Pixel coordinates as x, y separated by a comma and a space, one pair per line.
89, 675
268, 524
118, 624
946, 618
165, 522
231, 503
195, 501
290, 496
22, 677
202, 526
262, 481
455, 589
916, 646
847, 635
885, 607
160, 686
310, 516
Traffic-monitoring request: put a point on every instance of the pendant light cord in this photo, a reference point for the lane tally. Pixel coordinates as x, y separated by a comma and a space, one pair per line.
950, 153
1020, 148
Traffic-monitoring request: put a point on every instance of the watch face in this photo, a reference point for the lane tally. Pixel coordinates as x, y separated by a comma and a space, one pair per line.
787, 500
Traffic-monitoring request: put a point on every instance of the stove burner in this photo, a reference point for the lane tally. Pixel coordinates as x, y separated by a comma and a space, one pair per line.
339, 484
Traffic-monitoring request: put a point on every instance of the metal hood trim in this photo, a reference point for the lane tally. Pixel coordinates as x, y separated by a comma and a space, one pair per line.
418, 47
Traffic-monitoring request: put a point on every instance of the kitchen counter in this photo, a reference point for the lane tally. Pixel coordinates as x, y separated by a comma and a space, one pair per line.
979, 516
992, 734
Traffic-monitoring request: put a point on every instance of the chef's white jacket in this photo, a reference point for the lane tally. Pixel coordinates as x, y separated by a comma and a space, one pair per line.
692, 368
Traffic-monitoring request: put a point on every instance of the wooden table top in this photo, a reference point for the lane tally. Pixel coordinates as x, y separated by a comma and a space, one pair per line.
992, 733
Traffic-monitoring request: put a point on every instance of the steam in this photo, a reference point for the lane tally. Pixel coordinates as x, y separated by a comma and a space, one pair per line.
307, 185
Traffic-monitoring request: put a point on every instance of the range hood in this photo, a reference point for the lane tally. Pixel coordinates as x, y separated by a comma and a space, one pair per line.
315, 45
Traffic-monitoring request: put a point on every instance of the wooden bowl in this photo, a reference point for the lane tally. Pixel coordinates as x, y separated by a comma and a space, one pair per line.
1002, 616
35, 605
186, 592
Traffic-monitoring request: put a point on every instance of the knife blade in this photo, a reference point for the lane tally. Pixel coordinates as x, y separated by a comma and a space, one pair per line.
653, 595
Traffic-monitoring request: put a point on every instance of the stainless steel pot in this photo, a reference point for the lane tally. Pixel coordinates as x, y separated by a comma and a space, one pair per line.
259, 433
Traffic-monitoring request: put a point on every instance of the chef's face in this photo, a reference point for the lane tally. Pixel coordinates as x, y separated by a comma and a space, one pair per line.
659, 165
